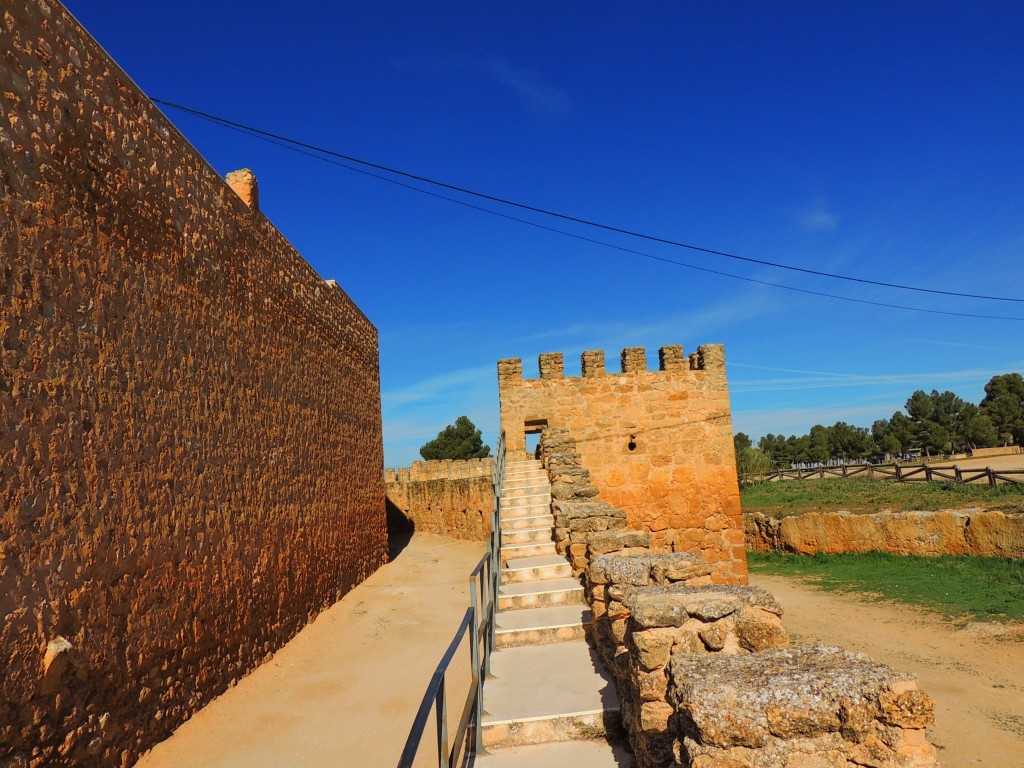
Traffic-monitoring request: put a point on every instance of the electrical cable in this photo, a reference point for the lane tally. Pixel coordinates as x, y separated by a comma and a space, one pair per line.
294, 146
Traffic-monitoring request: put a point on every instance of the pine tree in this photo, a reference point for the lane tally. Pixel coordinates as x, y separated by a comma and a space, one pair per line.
461, 440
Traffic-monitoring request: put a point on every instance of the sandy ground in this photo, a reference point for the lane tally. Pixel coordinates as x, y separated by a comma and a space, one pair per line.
345, 691
975, 673
1006, 461
1010, 461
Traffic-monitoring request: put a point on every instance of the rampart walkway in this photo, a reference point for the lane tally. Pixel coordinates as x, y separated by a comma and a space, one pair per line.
346, 689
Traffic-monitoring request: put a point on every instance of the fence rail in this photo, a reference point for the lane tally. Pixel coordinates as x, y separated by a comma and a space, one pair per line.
901, 473
479, 624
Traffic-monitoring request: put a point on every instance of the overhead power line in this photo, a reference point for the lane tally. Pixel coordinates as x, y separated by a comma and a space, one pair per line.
302, 147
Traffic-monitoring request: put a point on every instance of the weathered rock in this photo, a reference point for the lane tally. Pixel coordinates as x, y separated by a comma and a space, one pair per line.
613, 541
759, 629
803, 706
658, 611
989, 533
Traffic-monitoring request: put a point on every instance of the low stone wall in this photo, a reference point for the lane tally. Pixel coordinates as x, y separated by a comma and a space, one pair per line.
705, 679
964, 532
450, 498
442, 469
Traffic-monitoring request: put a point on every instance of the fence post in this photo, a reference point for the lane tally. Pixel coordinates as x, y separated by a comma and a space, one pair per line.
899, 473
927, 473
958, 474
474, 654
991, 476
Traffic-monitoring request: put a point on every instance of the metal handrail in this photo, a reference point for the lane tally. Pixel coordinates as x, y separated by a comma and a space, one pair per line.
436, 698
479, 621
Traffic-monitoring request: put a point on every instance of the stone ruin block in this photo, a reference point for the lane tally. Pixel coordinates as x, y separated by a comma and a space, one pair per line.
646, 569
634, 359
592, 363
672, 358
551, 365
616, 539
807, 706
678, 618
611, 576
510, 369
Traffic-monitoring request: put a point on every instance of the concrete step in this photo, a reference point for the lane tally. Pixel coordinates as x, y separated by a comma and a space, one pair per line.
516, 470
538, 508
540, 533
533, 500
508, 495
566, 754
529, 549
540, 626
526, 478
526, 521
539, 594
547, 693
538, 568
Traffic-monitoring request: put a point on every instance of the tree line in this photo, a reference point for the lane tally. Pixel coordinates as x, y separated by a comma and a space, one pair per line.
932, 423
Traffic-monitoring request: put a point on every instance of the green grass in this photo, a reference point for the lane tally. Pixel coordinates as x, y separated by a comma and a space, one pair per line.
794, 497
960, 586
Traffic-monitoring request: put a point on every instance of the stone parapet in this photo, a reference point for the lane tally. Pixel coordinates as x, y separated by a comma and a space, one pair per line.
447, 497
592, 363
672, 358
682, 619
812, 705
551, 366
634, 359
655, 626
441, 469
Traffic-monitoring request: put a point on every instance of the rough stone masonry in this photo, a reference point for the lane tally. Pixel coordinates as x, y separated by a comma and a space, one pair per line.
191, 461
658, 444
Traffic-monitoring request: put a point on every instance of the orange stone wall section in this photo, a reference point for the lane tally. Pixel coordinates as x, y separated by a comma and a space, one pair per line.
658, 444
449, 497
191, 463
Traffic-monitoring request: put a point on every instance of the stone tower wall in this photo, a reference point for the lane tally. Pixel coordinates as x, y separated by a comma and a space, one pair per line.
658, 444
191, 464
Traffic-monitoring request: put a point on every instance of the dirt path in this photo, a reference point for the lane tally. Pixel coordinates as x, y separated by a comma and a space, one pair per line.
345, 691
975, 673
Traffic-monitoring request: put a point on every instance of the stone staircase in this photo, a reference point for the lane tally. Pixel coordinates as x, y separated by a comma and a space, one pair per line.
549, 701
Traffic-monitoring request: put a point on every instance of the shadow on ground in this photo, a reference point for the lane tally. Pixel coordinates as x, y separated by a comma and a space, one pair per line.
400, 530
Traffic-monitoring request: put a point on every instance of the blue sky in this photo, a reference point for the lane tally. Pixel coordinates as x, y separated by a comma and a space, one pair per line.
876, 140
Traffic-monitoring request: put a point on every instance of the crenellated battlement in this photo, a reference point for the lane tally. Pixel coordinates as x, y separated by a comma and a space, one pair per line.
658, 443
633, 360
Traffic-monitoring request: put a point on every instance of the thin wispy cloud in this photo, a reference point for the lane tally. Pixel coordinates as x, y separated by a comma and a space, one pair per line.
839, 380
816, 217
542, 97
449, 383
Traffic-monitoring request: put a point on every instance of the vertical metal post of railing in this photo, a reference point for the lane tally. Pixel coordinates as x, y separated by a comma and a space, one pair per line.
474, 655
442, 726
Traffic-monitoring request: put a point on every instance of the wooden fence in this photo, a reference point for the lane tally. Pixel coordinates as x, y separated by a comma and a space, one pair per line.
901, 473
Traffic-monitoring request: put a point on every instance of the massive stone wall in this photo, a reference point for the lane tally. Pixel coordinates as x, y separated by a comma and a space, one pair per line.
990, 533
450, 498
658, 444
191, 463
